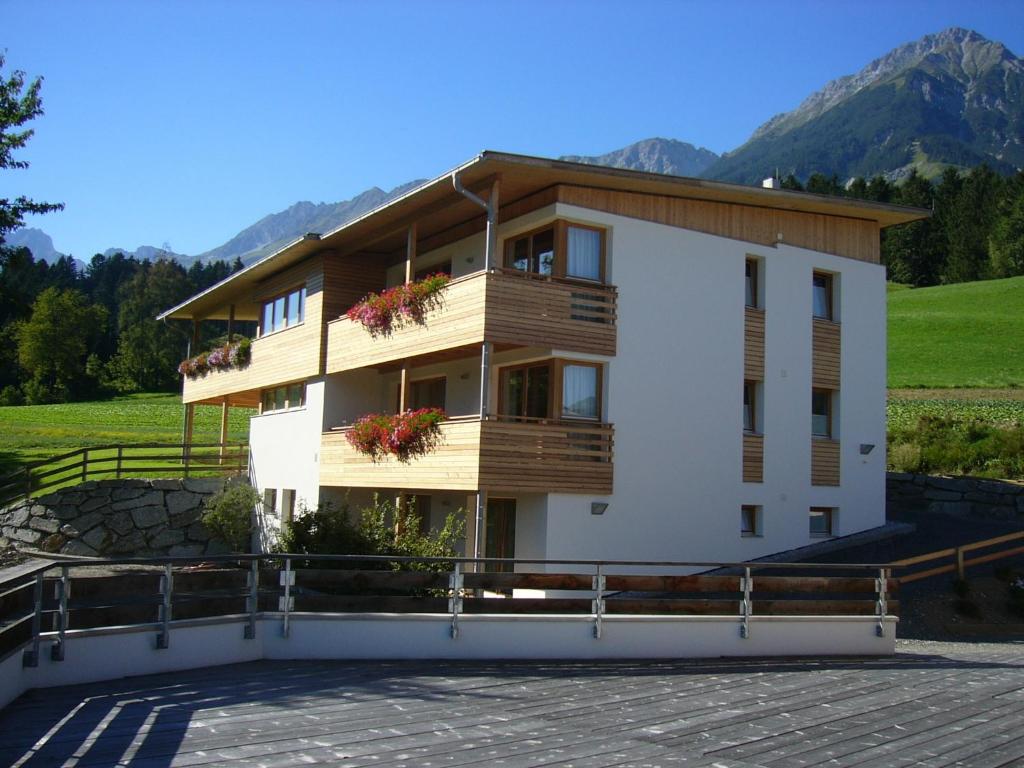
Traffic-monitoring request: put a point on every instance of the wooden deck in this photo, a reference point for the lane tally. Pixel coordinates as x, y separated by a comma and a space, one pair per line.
931, 705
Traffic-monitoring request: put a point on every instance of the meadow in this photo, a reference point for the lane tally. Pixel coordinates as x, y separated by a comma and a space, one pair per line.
33, 432
962, 335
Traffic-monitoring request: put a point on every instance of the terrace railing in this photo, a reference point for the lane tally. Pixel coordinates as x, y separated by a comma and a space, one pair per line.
50, 603
117, 461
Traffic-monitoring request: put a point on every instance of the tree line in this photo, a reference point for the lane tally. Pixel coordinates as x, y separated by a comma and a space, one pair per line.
72, 334
976, 231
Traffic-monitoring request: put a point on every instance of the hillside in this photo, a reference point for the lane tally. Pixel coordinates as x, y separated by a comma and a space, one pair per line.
963, 335
953, 98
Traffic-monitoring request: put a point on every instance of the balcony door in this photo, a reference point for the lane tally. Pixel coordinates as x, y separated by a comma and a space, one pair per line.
500, 532
526, 391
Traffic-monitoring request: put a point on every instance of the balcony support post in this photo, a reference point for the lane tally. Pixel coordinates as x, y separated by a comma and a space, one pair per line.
231, 323
410, 253
478, 529
485, 378
223, 431
186, 447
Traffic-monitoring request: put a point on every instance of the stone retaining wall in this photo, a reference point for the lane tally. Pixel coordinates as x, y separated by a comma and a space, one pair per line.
961, 496
126, 518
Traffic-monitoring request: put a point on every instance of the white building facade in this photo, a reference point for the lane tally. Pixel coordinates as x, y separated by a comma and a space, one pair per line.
672, 369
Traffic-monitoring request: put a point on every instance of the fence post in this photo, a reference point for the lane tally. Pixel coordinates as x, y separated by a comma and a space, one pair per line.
31, 656
85, 463
598, 603
455, 584
166, 586
253, 599
120, 453
28, 483
882, 586
285, 603
746, 605
63, 587
959, 562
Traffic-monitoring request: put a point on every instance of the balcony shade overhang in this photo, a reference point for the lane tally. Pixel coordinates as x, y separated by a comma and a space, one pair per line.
435, 206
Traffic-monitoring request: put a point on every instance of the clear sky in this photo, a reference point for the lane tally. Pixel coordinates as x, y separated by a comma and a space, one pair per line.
184, 122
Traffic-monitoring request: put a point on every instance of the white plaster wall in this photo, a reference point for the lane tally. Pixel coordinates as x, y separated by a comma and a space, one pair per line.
674, 394
284, 448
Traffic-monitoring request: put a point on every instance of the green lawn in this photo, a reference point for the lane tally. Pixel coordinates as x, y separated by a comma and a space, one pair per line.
32, 432
964, 335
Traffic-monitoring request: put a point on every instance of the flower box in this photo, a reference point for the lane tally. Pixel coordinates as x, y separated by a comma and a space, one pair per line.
224, 358
403, 435
383, 313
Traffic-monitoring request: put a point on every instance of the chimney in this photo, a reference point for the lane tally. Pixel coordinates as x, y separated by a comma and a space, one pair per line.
772, 183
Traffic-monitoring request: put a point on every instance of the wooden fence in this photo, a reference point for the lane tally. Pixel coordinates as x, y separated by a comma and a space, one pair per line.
117, 461
959, 558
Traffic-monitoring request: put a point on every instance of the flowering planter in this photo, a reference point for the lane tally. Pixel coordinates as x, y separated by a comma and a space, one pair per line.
383, 313
223, 358
404, 435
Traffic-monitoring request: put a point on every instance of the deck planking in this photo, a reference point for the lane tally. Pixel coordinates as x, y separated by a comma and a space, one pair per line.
933, 704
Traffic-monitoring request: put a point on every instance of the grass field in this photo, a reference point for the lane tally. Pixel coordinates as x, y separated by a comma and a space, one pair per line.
33, 432
964, 335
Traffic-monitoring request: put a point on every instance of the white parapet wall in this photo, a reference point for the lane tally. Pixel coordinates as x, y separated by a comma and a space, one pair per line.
94, 655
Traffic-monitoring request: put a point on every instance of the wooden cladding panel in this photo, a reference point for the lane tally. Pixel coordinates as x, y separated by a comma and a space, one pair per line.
289, 355
854, 238
546, 458
308, 273
825, 354
753, 345
824, 462
493, 455
349, 279
453, 465
539, 312
457, 322
753, 458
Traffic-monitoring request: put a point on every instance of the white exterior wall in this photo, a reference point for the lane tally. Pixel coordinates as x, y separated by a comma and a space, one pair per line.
674, 394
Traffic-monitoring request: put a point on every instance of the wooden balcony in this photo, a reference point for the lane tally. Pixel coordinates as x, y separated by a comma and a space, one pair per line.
527, 456
505, 307
289, 355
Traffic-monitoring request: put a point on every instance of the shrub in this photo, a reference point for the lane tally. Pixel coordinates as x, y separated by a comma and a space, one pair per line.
905, 457
378, 529
11, 395
228, 515
953, 445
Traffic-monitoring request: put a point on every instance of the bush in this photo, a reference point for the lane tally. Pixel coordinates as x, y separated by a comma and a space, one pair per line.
11, 395
228, 515
905, 457
331, 530
951, 445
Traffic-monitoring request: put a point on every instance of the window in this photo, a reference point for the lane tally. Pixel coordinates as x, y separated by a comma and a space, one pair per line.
750, 520
283, 311
821, 413
822, 521
532, 253
749, 406
287, 506
419, 505
425, 393
581, 391
560, 250
822, 289
283, 398
526, 391
751, 283
269, 501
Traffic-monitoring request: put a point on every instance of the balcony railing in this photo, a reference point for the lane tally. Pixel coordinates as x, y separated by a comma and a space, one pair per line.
502, 306
494, 454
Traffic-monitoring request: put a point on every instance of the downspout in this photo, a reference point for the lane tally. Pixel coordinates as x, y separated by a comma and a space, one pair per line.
491, 206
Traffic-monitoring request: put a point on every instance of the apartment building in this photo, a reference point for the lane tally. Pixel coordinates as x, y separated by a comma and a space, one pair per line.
632, 365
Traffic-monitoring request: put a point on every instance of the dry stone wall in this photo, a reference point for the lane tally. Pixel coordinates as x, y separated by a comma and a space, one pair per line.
125, 518
960, 496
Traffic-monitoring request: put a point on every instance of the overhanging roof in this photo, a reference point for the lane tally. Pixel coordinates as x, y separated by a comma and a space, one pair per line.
436, 207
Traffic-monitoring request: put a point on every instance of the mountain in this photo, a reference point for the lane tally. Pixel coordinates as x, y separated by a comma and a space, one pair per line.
655, 156
953, 98
273, 231
37, 241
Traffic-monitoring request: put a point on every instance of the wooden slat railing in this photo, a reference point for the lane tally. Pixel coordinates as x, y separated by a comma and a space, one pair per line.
47, 602
960, 561
117, 461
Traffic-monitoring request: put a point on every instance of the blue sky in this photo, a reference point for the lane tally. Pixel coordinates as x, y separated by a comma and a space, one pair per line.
185, 122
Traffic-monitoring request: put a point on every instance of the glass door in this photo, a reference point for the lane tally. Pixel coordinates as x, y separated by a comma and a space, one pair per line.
500, 532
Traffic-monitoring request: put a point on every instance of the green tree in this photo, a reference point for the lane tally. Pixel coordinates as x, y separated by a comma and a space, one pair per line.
18, 105
55, 342
909, 251
1006, 243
